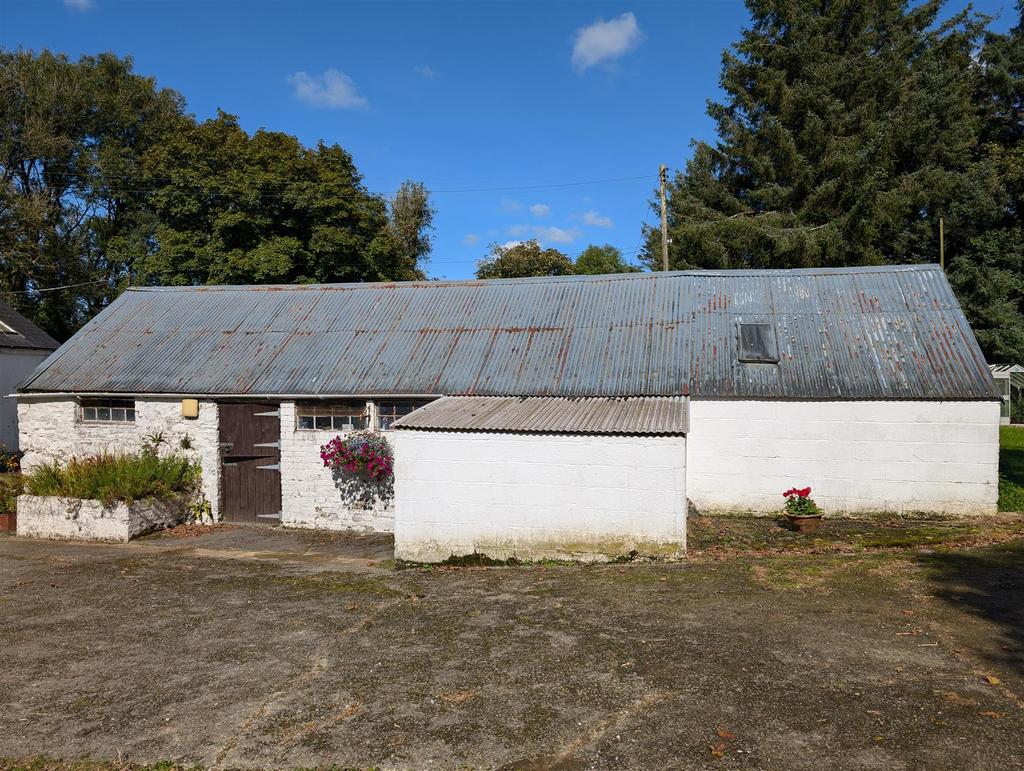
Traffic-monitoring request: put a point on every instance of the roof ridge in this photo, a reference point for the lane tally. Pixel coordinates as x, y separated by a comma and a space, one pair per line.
602, 277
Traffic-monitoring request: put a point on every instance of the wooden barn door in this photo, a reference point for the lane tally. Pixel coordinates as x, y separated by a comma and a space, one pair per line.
250, 440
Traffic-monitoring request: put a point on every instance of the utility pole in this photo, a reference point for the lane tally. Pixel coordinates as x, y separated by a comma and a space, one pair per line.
942, 244
664, 219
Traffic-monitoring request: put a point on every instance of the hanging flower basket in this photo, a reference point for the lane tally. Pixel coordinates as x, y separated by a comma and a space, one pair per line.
364, 453
801, 511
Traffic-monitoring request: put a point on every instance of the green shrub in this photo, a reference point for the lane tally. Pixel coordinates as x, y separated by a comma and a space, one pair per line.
11, 484
1011, 468
111, 478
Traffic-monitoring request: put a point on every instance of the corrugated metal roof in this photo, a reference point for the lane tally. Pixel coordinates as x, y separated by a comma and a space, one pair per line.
553, 414
857, 333
26, 334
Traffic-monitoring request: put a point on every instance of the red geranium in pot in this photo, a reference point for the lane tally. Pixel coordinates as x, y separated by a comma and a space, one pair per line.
801, 510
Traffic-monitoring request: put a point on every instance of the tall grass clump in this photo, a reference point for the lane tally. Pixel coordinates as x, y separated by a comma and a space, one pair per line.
110, 478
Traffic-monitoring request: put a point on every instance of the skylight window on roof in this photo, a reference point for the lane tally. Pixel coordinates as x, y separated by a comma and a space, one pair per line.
757, 344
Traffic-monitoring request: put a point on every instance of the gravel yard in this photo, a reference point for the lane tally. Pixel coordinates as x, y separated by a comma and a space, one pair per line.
879, 645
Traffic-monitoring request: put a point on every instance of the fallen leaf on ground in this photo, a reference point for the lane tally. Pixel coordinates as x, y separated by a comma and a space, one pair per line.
718, 750
725, 734
956, 698
457, 697
992, 680
991, 714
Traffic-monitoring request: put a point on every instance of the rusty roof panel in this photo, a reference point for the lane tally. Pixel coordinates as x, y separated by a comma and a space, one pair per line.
667, 415
842, 333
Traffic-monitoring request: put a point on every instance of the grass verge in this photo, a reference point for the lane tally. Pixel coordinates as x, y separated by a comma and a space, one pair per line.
111, 478
1011, 468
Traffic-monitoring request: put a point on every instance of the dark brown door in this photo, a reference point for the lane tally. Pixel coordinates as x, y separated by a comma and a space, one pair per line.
250, 438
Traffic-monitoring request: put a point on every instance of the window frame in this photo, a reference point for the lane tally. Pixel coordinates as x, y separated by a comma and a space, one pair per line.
380, 415
746, 355
99, 406
334, 411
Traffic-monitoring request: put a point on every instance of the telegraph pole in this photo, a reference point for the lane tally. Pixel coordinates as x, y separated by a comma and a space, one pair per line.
942, 244
664, 219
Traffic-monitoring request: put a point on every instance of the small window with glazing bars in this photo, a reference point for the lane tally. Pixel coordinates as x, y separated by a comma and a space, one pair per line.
107, 410
332, 416
390, 411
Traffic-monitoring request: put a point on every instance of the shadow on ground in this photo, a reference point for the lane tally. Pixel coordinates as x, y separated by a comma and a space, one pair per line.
988, 584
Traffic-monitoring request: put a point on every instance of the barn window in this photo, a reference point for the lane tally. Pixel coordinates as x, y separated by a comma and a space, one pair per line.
390, 411
107, 410
332, 416
757, 343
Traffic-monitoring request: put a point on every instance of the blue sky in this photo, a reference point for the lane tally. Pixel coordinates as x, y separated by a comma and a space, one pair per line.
467, 97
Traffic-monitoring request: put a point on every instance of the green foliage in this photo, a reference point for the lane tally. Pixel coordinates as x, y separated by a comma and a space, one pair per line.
526, 258
105, 180
11, 486
71, 184
596, 260
1011, 468
846, 132
233, 209
111, 478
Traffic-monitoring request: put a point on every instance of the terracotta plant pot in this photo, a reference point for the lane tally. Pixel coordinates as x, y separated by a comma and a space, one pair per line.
804, 524
9, 522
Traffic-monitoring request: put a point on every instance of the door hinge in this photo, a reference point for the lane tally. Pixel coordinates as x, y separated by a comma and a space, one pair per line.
272, 467
276, 445
271, 414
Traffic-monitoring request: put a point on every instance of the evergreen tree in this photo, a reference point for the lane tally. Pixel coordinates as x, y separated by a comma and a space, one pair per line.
847, 131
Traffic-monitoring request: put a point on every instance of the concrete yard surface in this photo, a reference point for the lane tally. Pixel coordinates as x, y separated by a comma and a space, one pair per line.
870, 647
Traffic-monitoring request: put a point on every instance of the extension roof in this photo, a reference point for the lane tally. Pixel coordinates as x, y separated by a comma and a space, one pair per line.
23, 334
846, 333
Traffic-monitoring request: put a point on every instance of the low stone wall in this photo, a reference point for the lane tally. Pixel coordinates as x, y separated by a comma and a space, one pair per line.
89, 520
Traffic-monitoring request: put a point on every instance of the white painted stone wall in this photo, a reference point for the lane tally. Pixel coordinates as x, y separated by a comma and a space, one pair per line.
537, 496
87, 520
858, 456
16, 364
50, 429
309, 496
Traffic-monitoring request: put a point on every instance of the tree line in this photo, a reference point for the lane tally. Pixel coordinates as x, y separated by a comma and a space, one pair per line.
107, 181
847, 131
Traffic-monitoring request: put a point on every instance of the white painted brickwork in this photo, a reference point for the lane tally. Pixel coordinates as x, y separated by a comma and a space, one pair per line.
309, 497
50, 429
533, 496
82, 520
857, 456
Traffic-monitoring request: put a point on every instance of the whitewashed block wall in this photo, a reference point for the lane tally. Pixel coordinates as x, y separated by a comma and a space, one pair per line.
866, 456
533, 496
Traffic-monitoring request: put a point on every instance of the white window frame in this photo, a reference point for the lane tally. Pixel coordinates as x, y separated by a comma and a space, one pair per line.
372, 414
326, 408
89, 410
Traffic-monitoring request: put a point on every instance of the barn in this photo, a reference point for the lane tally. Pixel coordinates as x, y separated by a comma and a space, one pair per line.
557, 416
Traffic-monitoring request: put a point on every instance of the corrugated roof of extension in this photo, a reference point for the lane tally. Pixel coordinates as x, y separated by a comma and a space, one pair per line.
25, 333
848, 333
553, 414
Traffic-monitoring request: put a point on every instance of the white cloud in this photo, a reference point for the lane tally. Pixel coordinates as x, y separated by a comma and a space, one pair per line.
471, 239
510, 244
604, 41
79, 5
426, 71
593, 218
332, 89
557, 235
540, 210
545, 233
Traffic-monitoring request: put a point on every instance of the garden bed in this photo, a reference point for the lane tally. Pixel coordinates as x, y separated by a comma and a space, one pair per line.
107, 497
